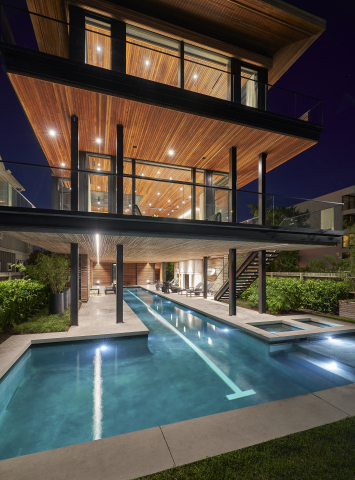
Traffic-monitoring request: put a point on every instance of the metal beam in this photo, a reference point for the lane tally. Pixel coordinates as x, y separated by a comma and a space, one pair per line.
262, 281
193, 195
234, 80
119, 166
205, 276
182, 66
74, 284
233, 184
232, 260
119, 283
74, 163
118, 50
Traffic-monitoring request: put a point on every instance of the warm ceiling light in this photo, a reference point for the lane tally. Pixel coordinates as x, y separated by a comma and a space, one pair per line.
98, 140
169, 201
98, 49
63, 164
98, 168
52, 133
171, 152
98, 165
183, 201
159, 209
129, 205
181, 188
147, 62
150, 204
98, 187
168, 213
158, 193
143, 212
189, 196
195, 76
158, 172
177, 206
142, 174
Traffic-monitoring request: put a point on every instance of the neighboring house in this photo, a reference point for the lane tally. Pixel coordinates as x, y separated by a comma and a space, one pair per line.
152, 116
333, 216
12, 250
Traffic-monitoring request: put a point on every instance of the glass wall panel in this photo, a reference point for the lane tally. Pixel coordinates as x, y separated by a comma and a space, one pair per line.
206, 72
249, 87
152, 56
98, 43
200, 176
220, 179
127, 196
162, 199
154, 170
221, 204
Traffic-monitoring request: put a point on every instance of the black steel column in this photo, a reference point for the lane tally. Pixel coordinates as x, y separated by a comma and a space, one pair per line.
262, 189
232, 217
74, 159
193, 195
234, 82
205, 276
262, 281
133, 186
119, 283
181, 66
118, 50
119, 166
232, 260
77, 34
74, 283
209, 197
54, 192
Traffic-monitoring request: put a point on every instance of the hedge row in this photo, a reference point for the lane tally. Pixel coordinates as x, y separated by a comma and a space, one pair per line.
19, 300
286, 294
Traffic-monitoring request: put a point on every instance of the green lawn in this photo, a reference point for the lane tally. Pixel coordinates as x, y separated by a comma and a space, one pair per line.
322, 453
44, 323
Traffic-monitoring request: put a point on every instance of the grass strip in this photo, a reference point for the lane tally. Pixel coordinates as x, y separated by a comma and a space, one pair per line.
42, 322
321, 453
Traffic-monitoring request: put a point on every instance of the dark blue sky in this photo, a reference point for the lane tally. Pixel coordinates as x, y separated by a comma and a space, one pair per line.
326, 71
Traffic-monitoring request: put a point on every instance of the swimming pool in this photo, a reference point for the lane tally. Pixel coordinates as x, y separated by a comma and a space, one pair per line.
189, 366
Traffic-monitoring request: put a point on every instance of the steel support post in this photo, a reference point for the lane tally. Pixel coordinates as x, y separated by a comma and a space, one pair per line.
119, 283
232, 281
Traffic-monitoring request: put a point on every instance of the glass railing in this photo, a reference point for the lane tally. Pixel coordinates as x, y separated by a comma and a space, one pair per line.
155, 62
49, 187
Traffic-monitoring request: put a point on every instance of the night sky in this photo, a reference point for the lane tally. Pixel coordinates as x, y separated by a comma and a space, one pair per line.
326, 70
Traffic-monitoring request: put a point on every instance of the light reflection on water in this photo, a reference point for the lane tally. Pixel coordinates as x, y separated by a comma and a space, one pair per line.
97, 397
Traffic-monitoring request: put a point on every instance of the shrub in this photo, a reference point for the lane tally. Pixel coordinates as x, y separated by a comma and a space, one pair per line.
286, 294
51, 270
42, 322
20, 299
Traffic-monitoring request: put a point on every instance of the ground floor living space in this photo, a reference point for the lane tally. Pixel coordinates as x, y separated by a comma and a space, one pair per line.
178, 380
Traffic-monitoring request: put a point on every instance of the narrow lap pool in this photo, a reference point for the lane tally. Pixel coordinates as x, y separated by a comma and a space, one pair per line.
190, 366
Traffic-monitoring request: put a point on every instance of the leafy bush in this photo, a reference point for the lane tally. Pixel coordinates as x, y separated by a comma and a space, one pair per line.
51, 270
286, 294
20, 299
42, 322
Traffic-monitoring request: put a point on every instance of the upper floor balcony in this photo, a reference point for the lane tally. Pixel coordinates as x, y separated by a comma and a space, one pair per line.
125, 49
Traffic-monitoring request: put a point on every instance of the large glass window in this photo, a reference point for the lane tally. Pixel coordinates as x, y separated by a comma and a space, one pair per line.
206, 72
98, 184
152, 56
249, 87
349, 202
98, 43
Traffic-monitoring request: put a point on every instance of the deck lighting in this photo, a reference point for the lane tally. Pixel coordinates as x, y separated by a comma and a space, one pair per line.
147, 62
171, 152
52, 133
97, 248
195, 76
98, 49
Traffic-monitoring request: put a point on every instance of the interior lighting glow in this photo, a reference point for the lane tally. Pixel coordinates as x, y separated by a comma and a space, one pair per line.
129, 205
159, 209
147, 62
171, 152
158, 172
195, 76
98, 140
169, 201
158, 193
181, 188
97, 247
98, 187
98, 165
63, 164
150, 204
98, 49
52, 133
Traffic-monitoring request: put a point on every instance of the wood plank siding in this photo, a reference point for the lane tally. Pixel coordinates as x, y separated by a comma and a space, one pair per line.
102, 272
129, 274
145, 273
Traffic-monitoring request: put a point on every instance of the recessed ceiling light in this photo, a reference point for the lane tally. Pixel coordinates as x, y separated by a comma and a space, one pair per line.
142, 174
168, 213
169, 201
159, 209
98, 208
98, 164
158, 172
181, 188
158, 193
183, 201
189, 196
98, 187
147, 62
129, 205
150, 204
195, 76
63, 164
98, 49
98, 140
177, 206
52, 133
98, 168
143, 212
171, 152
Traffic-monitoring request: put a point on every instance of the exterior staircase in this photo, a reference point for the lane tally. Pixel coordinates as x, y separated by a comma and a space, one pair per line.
247, 272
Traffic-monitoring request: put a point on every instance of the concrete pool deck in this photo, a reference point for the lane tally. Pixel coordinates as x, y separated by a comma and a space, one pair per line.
141, 453
247, 320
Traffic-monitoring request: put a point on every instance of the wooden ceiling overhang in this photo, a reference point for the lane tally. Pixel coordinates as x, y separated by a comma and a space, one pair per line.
267, 33
146, 249
150, 131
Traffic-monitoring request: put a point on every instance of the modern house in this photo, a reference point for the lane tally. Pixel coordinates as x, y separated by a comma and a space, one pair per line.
152, 117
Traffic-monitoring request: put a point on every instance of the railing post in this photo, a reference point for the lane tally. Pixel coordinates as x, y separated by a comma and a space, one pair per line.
182, 66
119, 167
193, 195
119, 283
232, 281
74, 163
232, 217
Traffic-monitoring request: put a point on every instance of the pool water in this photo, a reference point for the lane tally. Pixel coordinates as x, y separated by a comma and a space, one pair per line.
318, 324
277, 327
189, 366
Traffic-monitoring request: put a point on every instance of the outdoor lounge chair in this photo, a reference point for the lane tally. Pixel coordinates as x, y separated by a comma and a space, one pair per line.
110, 288
136, 210
217, 217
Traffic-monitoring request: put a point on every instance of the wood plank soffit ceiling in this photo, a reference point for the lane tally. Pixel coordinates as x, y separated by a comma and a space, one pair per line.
197, 141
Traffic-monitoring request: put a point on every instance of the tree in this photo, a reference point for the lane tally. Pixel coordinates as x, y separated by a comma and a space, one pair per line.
276, 215
50, 270
285, 262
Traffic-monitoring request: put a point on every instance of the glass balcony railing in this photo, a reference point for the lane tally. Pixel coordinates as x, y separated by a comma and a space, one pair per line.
159, 192
157, 58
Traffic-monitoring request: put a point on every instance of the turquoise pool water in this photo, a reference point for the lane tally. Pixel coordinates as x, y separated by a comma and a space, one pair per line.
278, 327
190, 366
